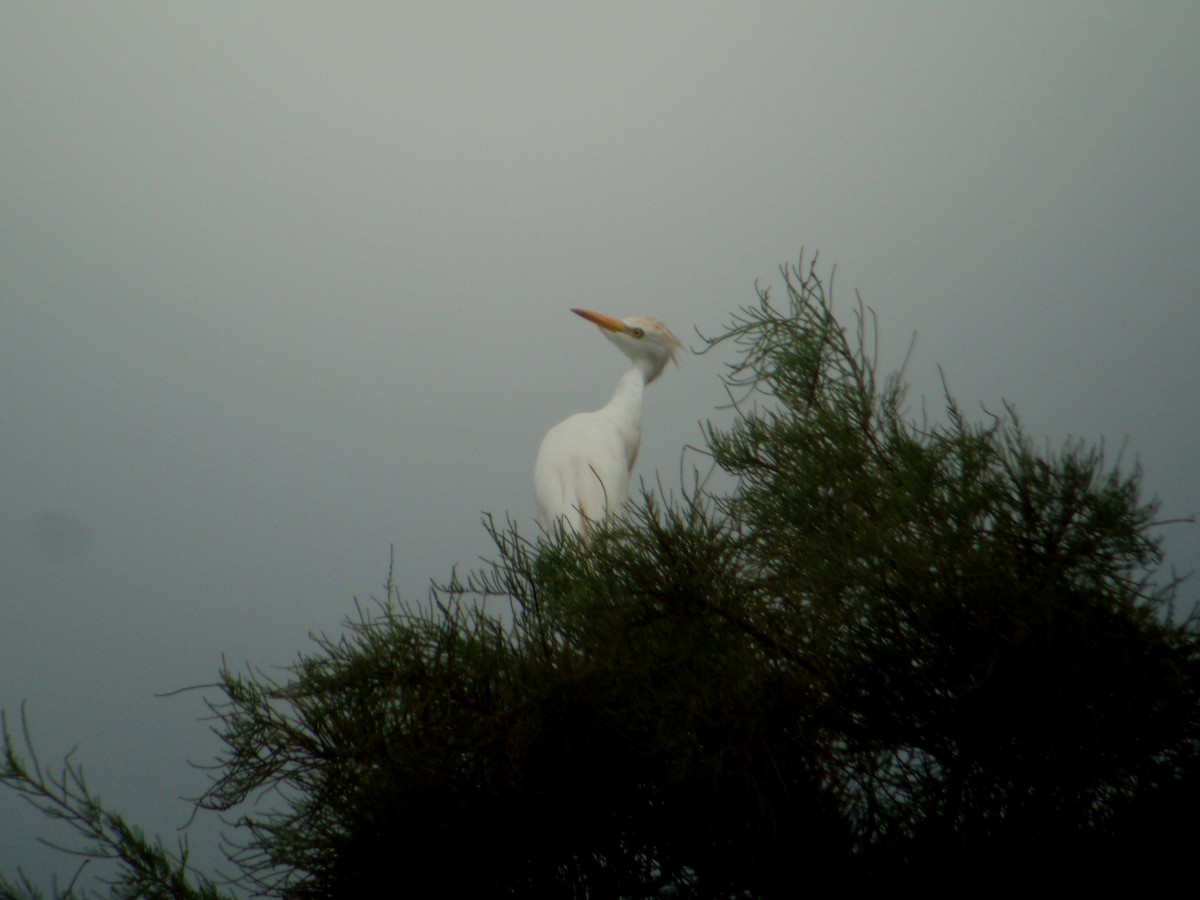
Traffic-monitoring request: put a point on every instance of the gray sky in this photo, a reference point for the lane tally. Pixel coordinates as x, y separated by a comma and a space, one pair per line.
282, 285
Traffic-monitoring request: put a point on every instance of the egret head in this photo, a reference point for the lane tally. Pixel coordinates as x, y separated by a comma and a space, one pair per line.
648, 342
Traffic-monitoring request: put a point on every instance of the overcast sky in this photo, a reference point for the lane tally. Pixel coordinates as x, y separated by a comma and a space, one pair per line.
283, 285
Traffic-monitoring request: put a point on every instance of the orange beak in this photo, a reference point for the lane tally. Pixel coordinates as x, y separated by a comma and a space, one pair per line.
608, 323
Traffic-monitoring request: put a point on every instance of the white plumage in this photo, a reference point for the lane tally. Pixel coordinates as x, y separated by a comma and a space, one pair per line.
584, 463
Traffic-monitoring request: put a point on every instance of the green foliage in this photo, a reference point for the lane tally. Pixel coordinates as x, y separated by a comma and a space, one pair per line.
1007, 680
144, 868
895, 652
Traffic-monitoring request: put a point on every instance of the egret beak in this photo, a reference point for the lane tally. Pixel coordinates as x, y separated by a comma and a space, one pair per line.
608, 323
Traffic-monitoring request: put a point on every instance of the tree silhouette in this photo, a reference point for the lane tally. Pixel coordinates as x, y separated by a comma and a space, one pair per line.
894, 653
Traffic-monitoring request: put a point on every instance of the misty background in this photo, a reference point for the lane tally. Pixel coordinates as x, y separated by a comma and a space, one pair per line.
285, 285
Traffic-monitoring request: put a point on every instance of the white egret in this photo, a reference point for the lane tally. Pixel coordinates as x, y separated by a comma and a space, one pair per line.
584, 464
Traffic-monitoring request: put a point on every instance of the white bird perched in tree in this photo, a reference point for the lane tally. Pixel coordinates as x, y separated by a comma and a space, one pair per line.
583, 466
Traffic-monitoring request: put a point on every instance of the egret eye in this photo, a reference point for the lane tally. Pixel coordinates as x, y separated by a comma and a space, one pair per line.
637, 332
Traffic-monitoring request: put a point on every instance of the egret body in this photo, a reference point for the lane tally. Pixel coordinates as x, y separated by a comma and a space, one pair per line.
584, 464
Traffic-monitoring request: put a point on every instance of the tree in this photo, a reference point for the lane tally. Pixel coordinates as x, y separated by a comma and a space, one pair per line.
893, 652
